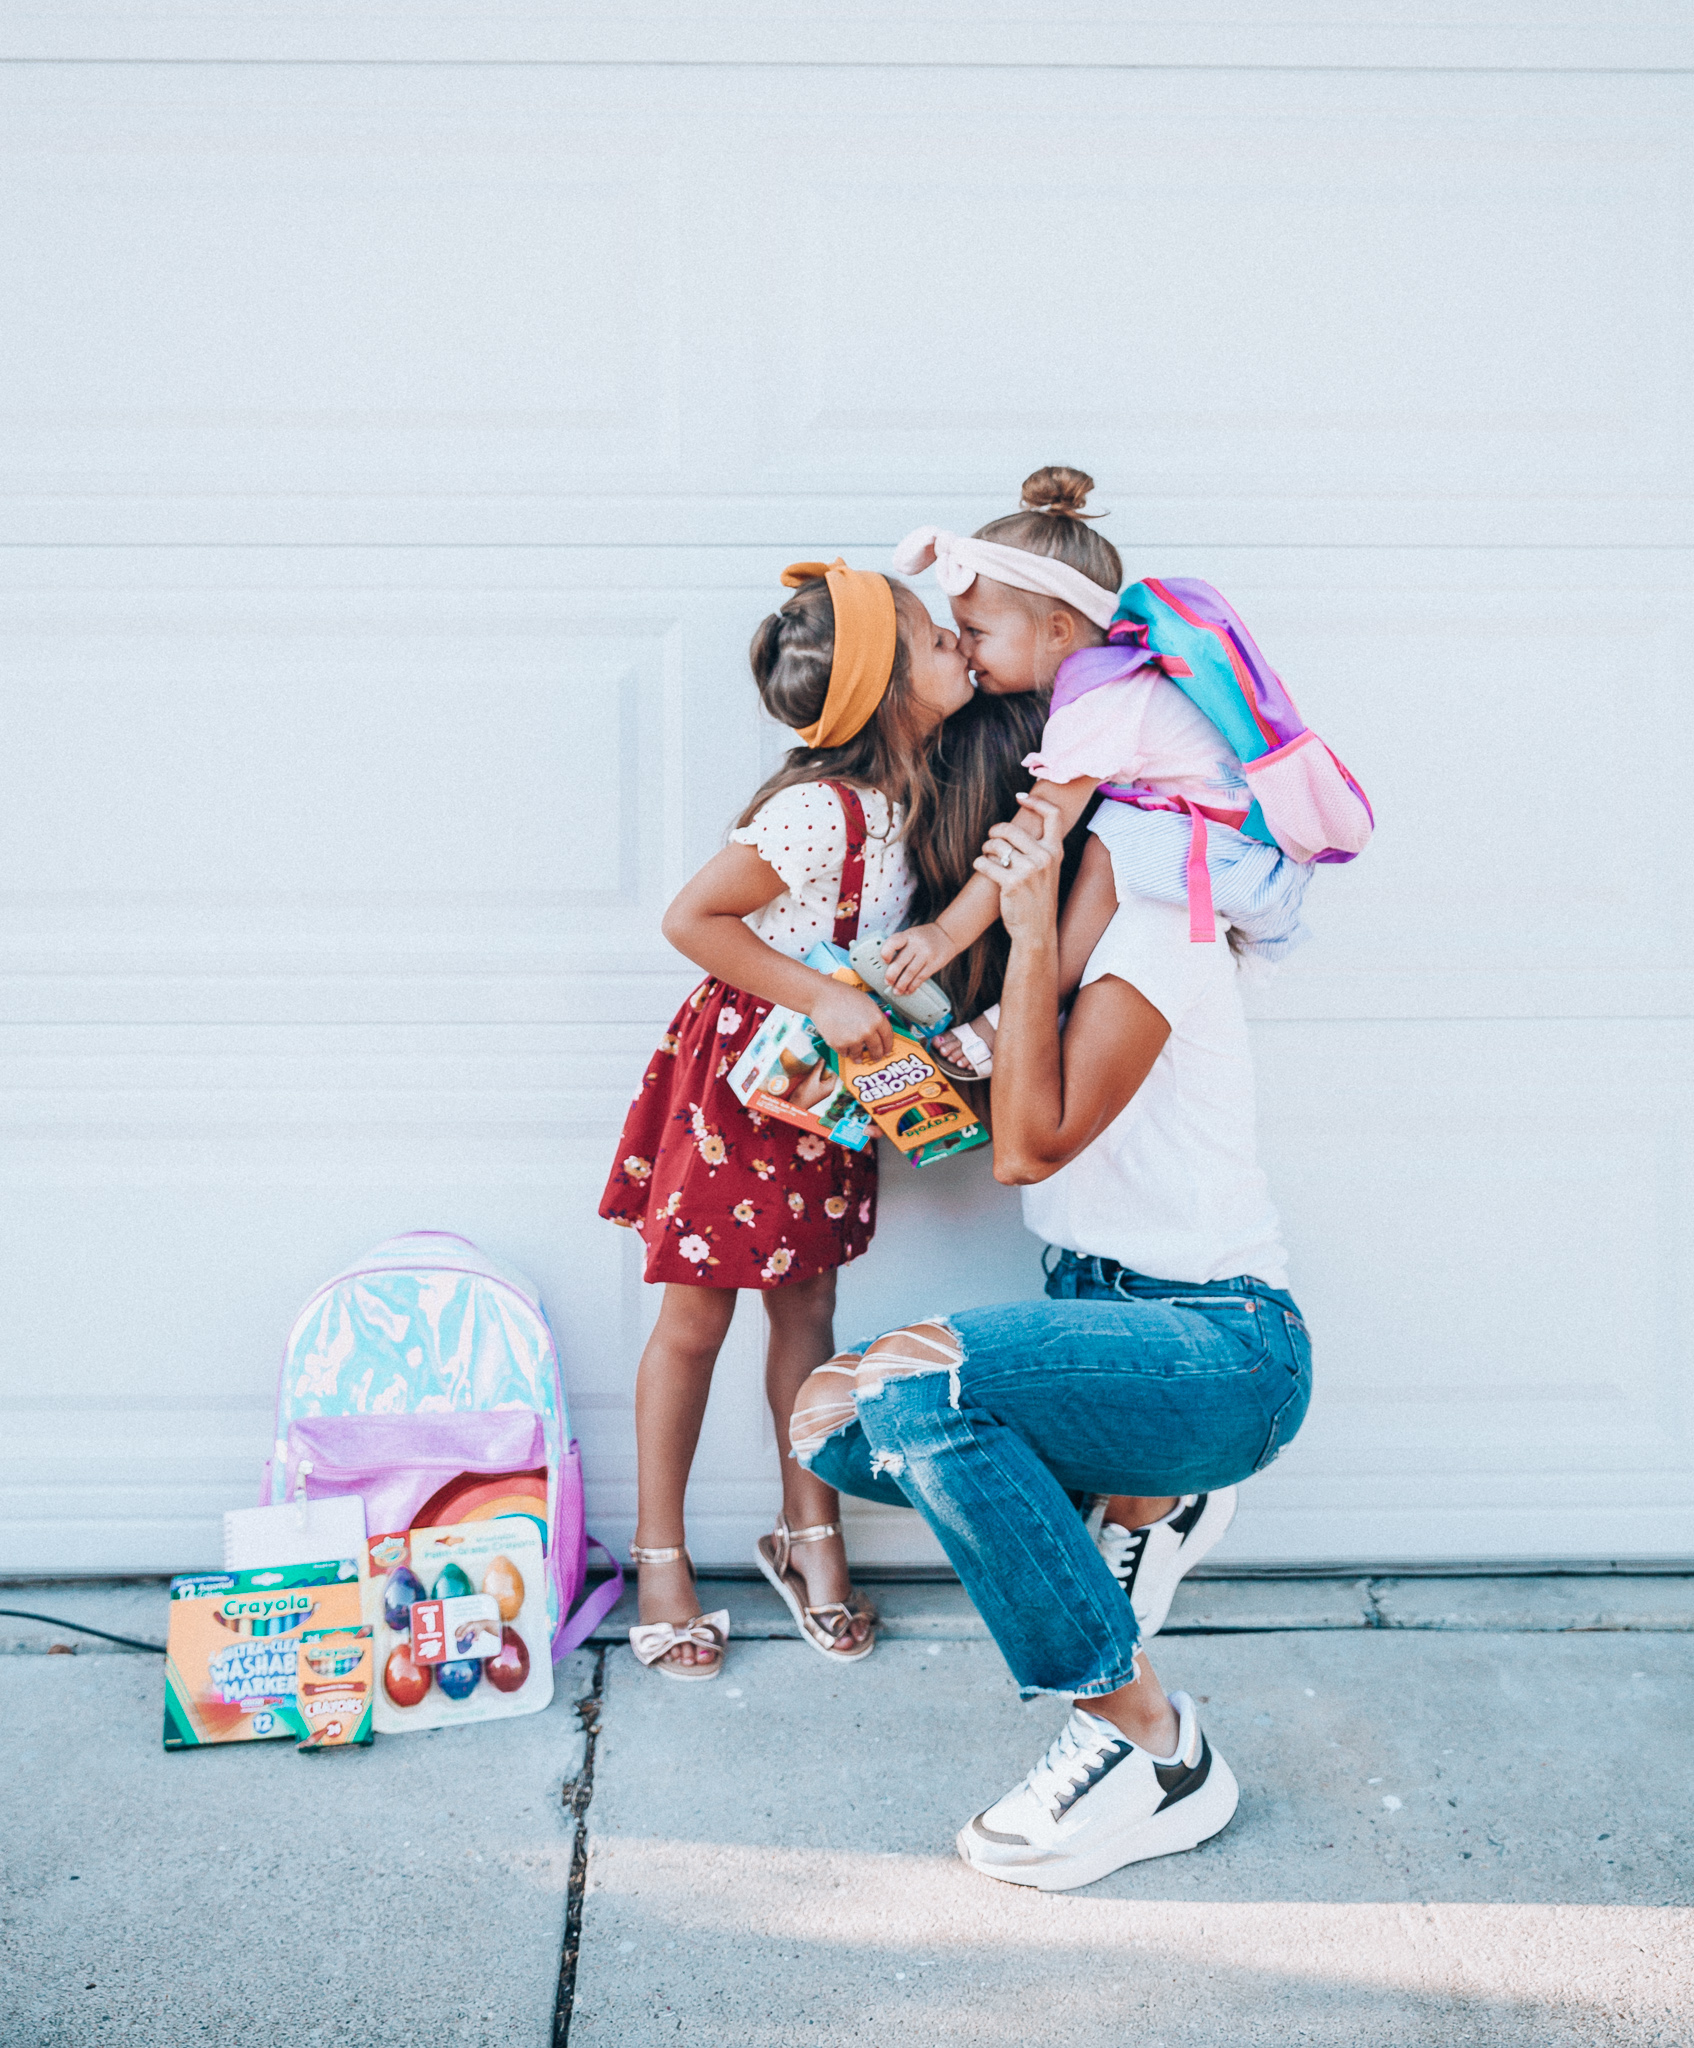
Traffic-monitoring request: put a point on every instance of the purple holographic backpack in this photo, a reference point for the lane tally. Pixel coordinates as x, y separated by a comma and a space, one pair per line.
425, 1377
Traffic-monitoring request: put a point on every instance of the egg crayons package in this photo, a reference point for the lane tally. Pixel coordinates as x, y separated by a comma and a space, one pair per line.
231, 1649
905, 1096
333, 1688
468, 1626
460, 1621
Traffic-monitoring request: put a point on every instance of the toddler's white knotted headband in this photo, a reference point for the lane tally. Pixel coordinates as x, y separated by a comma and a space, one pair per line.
960, 560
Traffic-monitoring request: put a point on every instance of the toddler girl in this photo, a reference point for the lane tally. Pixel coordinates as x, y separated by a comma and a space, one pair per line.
725, 1199
1027, 592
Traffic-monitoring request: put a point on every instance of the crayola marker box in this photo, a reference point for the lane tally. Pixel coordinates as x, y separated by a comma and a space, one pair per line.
231, 1653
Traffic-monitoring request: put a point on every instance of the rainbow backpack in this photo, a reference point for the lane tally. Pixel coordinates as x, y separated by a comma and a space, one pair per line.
1303, 800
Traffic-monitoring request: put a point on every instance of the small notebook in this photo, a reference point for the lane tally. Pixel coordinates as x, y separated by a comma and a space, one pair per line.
298, 1532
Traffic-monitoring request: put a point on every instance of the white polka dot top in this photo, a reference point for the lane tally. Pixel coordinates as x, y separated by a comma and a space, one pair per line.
801, 833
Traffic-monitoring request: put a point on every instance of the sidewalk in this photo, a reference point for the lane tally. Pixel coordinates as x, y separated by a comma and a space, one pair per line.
1466, 1818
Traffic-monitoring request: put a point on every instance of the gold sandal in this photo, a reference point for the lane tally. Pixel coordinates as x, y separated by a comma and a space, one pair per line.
822, 1627
654, 1640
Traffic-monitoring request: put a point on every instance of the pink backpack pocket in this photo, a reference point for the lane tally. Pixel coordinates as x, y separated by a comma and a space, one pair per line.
1313, 807
397, 1462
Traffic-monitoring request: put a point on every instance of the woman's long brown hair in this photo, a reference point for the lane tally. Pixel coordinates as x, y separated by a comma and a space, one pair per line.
976, 770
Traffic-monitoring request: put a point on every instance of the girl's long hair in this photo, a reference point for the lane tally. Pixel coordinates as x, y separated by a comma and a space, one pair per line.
791, 655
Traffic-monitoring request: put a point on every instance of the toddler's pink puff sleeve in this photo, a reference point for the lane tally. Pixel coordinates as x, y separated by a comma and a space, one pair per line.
1097, 736
800, 831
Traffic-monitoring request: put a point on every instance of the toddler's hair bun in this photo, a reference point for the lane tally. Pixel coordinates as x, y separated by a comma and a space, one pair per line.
1060, 491
1051, 521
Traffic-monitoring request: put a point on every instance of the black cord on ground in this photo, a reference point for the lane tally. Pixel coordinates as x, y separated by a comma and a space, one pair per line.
578, 1793
82, 1628
1270, 1628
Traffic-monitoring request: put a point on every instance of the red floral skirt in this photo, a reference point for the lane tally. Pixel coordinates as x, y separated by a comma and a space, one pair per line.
721, 1197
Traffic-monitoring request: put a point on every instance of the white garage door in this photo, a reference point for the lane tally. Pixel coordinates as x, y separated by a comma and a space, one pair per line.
405, 431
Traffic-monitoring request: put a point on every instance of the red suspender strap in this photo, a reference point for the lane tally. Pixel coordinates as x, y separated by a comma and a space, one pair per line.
852, 868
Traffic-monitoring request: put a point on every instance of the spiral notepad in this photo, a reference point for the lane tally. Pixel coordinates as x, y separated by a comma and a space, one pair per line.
297, 1532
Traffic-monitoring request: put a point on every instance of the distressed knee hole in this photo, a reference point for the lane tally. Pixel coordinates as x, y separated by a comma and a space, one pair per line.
824, 1406
887, 1465
909, 1354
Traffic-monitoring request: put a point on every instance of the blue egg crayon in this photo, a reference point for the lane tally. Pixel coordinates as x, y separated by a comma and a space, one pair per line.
459, 1677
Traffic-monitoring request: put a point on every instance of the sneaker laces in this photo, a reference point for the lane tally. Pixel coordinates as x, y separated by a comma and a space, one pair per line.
1079, 1746
1122, 1548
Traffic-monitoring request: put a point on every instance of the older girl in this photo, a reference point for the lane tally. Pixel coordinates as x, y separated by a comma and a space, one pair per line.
724, 1199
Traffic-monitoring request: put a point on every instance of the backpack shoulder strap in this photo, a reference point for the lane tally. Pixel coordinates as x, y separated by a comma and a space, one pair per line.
852, 888
594, 1609
1218, 666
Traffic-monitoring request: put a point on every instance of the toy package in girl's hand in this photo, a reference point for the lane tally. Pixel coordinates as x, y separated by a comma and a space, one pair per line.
461, 1624
788, 1072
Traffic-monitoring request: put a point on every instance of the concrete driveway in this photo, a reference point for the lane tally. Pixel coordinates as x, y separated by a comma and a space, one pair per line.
1466, 1818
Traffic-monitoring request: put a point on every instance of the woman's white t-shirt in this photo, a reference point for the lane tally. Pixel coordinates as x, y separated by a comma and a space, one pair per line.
1172, 1187
801, 831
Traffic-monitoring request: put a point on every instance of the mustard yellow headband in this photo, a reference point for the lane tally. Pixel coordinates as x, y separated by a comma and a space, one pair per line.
866, 634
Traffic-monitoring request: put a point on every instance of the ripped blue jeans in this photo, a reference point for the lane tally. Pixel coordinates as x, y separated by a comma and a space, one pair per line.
989, 1422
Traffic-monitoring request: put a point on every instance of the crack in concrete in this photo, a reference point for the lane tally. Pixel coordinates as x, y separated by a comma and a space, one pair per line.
578, 1793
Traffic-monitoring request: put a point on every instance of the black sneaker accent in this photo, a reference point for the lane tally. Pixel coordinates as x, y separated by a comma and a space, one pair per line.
1183, 1524
1067, 1799
1179, 1779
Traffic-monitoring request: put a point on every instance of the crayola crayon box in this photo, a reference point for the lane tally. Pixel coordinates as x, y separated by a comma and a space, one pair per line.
789, 1072
334, 1686
231, 1654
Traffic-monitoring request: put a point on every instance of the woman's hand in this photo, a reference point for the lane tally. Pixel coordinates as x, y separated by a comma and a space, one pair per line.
849, 1021
913, 955
1052, 1099
1024, 857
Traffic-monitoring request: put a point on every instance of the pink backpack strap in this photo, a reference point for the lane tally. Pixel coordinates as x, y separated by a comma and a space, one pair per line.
1202, 919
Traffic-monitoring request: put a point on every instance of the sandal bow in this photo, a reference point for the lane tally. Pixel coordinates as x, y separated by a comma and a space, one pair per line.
654, 1639
823, 1627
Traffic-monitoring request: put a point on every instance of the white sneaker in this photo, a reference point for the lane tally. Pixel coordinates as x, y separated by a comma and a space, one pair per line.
1096, 1802
1150, 1564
